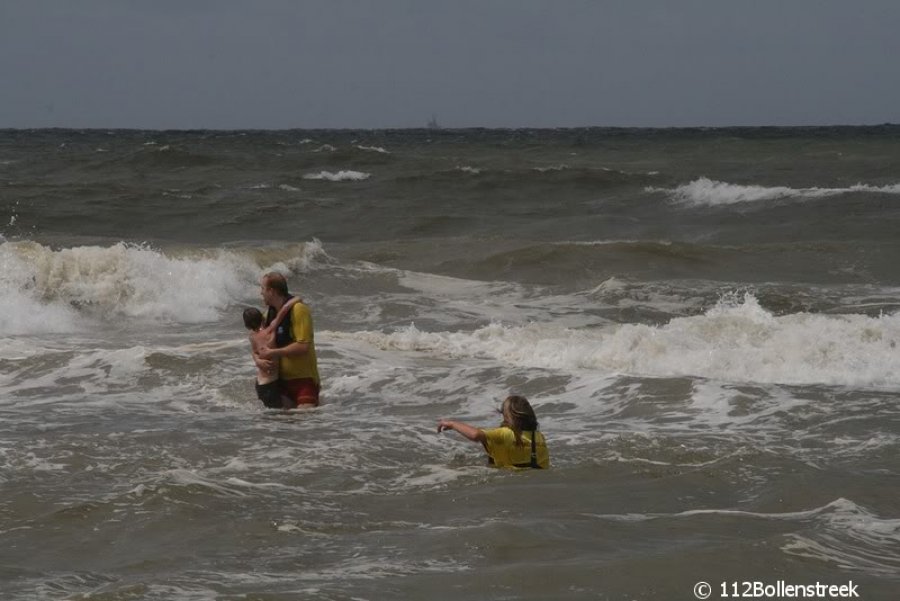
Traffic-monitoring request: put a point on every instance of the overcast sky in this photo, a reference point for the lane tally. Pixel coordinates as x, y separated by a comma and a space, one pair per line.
490, 63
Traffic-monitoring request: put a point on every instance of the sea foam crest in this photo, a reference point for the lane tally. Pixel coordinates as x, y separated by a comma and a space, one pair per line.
707, 192
46, 290
340, 176
21, 310
126, 279
851, 537
737, 341
377, 149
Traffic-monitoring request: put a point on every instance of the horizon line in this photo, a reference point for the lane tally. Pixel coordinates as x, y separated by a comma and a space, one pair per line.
438, 130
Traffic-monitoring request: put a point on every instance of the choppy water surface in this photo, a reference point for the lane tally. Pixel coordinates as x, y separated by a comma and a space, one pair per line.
706, 321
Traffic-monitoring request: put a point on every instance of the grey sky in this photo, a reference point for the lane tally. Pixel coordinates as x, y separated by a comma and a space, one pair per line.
391, 63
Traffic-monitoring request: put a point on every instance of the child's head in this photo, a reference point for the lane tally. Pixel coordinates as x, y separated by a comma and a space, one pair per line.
252, 318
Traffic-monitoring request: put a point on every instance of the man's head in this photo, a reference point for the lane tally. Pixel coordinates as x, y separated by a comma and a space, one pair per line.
273, 289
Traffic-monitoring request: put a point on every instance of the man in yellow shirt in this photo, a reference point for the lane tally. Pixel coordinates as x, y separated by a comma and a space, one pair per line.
295, 347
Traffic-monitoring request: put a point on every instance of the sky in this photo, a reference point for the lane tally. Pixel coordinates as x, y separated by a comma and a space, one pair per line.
278, 64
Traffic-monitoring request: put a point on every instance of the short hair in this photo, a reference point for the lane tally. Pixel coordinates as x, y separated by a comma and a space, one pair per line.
276, 282
252, 318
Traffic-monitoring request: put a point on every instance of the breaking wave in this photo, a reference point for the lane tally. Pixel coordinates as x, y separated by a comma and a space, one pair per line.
707, 192
47, 290
736, 340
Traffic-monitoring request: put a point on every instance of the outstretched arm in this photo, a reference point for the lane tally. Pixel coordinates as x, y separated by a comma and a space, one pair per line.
282, 313
471, 432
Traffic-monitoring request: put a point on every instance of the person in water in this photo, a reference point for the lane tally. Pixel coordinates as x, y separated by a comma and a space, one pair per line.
516, 443
295, 347
267, 389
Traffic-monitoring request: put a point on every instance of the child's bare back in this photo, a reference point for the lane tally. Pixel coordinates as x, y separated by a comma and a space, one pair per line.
264, 338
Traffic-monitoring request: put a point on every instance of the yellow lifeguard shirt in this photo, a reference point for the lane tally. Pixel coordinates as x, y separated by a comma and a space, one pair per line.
501, 446
305, 365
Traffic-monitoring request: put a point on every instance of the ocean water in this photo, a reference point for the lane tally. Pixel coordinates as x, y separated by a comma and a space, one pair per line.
706, 321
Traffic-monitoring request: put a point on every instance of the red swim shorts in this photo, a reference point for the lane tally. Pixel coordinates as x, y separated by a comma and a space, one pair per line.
302, 391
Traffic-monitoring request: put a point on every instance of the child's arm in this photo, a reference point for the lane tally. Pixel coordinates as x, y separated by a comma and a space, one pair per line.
264, 365
279, 317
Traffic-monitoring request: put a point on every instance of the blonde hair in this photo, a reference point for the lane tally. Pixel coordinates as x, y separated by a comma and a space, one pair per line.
521, 414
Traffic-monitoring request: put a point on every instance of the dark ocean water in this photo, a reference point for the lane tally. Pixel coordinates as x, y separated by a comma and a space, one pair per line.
705, 320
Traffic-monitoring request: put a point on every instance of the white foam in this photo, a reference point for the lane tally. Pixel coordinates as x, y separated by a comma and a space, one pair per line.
841, 511
492, 300
853, 538
91, 372
707, 192
610, 242
435, 476
377, 149
340, 176
444, 287
132, 280
736, 341
311, 254
182, 592
185, 477
21, 309
45, 290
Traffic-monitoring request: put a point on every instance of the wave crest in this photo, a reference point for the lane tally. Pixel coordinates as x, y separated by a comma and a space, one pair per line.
737, 340
46, 290
852, 538
340, 176
707, 192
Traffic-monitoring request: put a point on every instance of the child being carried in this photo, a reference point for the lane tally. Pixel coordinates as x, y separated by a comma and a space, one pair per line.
267, 389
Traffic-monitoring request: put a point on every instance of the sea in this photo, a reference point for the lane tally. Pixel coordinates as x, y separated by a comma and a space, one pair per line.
706, 321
